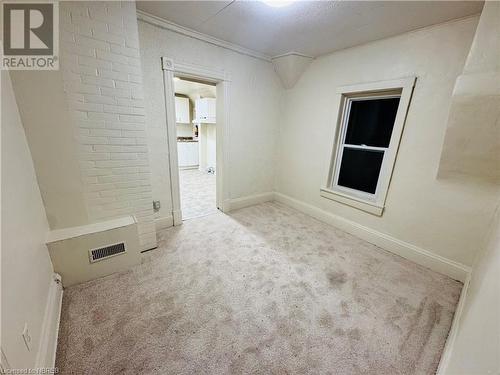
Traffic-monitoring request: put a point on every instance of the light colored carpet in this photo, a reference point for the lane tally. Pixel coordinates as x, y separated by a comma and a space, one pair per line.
266, 290
197, 193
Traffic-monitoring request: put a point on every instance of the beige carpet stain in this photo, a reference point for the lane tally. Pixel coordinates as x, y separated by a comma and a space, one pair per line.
266, 290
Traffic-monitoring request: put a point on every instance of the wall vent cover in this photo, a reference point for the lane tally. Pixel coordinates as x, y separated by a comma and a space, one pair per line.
106, 252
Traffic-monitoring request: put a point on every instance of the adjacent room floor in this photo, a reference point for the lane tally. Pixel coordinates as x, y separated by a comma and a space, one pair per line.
264, 290
197, 193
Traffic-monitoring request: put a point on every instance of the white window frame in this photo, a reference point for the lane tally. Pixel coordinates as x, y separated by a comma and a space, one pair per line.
345, 95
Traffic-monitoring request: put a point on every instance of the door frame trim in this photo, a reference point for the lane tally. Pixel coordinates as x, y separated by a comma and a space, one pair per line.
223, 83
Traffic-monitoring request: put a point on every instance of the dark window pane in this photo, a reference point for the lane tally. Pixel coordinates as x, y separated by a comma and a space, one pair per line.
360, 169
371, 122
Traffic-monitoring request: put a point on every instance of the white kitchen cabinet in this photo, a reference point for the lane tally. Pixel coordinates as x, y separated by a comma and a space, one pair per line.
187, 154
205, 109
181, 110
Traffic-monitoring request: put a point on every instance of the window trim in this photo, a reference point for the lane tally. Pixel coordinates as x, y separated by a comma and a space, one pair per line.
372, 203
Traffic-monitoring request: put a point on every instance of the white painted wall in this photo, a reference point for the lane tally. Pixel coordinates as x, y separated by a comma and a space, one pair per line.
443, 217
476, 347
45, 115
102, 78
26, 267
86, 123
254, 110
472, 141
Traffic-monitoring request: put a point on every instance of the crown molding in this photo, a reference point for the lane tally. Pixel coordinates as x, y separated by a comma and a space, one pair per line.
292, 53
164, 24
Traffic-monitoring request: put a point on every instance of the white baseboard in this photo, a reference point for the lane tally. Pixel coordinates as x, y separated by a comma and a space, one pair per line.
455, 326
250, 200
177, 216
406, 250
164, 222
46, 356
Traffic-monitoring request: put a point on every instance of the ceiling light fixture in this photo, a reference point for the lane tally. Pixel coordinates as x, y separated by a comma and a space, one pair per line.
278, 3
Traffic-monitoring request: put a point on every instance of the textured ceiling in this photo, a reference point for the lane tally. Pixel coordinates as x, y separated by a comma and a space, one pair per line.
309, 27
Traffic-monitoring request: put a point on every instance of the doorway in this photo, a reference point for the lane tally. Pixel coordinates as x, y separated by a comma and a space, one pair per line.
196, 122
179, 72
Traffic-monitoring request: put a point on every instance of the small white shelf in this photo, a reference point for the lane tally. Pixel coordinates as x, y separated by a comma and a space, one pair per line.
82, 230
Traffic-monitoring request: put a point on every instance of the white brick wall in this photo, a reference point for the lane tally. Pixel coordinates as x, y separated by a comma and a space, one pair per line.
102, 79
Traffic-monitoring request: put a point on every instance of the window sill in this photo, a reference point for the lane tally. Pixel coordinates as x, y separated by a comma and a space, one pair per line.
362, 205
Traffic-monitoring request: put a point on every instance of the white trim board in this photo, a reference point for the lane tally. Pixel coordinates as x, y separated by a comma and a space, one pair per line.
46, 356
406, 250
164, 24
373, 203
164, 222
82, 230
455, 326
249, 200
222, 82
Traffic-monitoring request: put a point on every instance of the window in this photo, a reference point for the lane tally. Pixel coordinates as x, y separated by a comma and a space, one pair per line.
371, 119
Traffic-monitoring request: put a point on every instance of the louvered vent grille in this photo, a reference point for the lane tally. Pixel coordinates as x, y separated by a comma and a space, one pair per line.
106, 252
